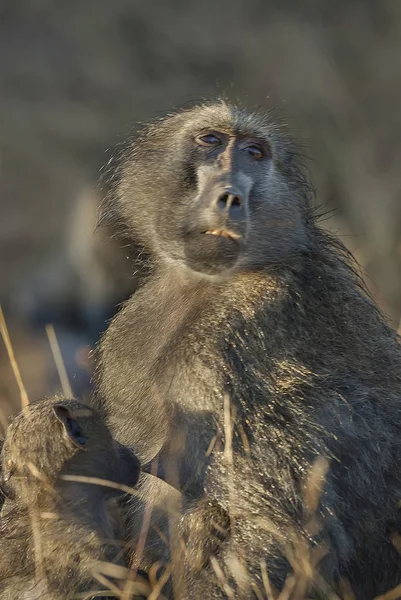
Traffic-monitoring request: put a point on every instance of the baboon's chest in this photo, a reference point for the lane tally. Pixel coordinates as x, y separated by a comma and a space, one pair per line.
169, 359
179, 352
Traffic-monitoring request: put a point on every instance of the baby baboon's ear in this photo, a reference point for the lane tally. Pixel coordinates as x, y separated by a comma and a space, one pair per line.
71, 426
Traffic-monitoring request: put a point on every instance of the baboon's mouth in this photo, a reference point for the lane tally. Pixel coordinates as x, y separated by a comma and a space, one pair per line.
231, 235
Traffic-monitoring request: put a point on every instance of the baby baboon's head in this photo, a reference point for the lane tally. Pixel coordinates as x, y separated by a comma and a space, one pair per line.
52, 438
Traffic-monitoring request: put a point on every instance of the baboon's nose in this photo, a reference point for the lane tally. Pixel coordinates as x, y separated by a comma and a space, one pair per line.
231, 204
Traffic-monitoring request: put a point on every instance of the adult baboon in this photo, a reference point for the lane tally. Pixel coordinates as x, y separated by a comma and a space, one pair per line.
56, 529
251, 313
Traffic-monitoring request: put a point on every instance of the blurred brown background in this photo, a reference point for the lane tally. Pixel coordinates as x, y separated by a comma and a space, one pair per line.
75, 76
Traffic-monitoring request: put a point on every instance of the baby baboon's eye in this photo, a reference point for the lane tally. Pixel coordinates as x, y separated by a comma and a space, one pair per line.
208, 139
255, 151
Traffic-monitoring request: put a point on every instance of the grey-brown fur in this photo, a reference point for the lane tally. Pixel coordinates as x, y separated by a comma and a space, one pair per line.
283, 327
54, 532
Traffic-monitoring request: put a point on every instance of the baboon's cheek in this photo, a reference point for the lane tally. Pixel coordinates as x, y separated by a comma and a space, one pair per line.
275, 238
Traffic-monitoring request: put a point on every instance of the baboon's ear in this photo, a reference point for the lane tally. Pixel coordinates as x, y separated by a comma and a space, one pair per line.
71, 426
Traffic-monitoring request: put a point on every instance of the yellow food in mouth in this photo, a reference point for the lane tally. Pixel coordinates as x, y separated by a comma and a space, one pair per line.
223, 233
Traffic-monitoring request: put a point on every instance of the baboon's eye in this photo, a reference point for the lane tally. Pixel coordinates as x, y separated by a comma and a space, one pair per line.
255, 151
208, 139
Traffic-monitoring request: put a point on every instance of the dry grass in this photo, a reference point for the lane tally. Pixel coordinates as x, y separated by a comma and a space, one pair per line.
13, 362
58, 359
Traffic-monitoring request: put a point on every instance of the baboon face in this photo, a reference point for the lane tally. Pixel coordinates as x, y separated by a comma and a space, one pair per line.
128, 467
215, 189
99, 454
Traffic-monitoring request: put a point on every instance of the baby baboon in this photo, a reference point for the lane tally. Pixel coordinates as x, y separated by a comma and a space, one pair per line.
55, 531
253, 339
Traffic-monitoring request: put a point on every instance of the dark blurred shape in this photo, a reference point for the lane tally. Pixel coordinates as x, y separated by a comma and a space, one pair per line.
77, 291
